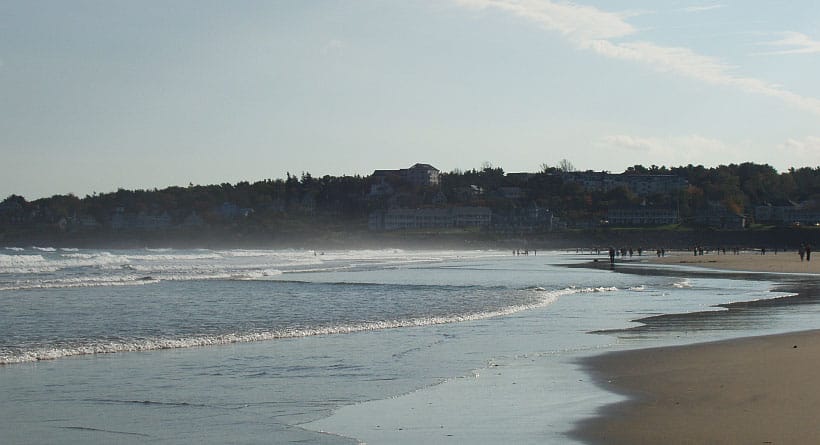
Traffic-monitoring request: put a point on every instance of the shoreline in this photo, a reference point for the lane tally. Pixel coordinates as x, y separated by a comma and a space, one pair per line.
756, 389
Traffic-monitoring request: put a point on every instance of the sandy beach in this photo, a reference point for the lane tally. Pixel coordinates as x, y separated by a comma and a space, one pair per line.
782, 262
762, 390
752, 391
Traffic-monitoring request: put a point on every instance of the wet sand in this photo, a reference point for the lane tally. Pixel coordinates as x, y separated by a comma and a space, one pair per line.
755, 390
782, 262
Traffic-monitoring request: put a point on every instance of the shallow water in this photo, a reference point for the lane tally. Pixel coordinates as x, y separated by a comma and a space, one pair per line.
252, 346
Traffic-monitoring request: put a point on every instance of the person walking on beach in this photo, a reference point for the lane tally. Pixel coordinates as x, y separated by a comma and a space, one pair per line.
808, 252
611, 255
801, 251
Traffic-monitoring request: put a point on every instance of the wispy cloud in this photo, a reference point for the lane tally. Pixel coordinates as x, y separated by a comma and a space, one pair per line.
576, 22
603, 32
678, 150
804, 151
793, 43
694, 148
701, 8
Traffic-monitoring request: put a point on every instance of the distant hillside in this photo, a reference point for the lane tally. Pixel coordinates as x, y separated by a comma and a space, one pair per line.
552, 205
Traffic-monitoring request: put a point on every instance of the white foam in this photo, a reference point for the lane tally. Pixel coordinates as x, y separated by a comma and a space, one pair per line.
258, 274
174, 257
36, 263
220, 264
240, 253
79, 282
546, 298
24, 264
683, 284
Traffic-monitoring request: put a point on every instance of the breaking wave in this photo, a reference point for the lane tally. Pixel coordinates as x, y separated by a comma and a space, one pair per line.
545, 298
682, 284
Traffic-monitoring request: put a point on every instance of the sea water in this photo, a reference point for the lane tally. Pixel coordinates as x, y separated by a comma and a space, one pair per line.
303, 346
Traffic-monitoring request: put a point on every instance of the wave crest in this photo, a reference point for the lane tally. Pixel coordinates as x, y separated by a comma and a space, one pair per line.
546, 297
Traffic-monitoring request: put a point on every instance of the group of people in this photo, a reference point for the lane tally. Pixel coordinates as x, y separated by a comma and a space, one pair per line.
524, 252
804, 251
700, 250
624, 251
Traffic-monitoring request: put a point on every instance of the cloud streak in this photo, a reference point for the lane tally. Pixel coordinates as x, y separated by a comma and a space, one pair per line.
603, 32
694, 148
794, 43
679, 150
701, 8
806, 150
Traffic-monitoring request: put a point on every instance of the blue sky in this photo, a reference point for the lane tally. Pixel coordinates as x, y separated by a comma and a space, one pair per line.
96, 95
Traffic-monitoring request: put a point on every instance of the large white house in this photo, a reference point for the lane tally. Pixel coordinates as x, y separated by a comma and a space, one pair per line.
641, 185
641, 216
420, 175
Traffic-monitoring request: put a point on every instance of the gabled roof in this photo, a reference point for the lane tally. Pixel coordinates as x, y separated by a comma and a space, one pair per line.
424, 166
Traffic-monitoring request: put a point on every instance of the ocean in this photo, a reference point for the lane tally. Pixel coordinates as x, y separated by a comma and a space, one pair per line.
334, 347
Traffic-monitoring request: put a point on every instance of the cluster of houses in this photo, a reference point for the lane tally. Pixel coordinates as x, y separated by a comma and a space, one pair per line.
714, 215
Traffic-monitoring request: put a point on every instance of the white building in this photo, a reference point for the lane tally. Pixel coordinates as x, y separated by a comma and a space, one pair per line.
642, 216
807, 214
454, 217
641, 185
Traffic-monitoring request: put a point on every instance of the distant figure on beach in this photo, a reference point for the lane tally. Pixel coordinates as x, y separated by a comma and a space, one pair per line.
801, 251
611, 255
808, 252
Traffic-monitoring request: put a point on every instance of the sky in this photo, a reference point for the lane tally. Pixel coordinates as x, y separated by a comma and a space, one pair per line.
108, 94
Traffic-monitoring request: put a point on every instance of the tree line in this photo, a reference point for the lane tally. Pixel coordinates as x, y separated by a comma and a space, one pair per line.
348, 200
